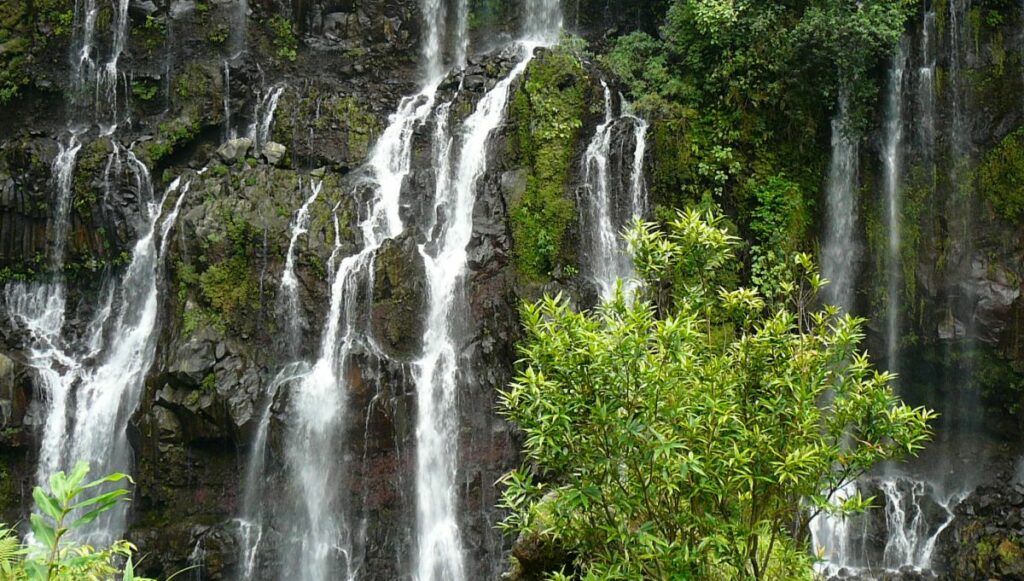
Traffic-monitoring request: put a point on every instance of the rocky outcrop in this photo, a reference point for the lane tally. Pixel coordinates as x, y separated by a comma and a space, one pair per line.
986, 538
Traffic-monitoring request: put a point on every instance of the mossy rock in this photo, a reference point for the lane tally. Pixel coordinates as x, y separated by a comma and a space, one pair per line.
399, 297
547, 118
324, 128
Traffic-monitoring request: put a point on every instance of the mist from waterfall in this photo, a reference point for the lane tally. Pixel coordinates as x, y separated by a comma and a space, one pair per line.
840, 249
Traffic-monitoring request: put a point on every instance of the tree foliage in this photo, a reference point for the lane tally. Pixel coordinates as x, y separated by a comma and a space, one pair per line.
694, 431
744, 89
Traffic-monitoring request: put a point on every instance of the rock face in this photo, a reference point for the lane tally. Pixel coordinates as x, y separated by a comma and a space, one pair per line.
986, 539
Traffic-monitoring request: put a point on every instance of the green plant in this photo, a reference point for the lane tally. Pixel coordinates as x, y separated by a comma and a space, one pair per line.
144, 91
219, 34
284, 38
1000, 174
681, 435
60, 511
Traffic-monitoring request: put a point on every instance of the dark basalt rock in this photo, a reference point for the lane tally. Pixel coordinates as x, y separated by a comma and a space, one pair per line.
986, 538
399, 297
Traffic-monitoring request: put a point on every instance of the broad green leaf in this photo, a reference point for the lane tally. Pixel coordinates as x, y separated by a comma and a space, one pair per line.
43, 531
46, 503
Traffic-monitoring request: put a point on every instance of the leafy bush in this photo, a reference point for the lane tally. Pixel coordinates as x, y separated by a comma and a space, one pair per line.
693, 432
284, 38
53, 557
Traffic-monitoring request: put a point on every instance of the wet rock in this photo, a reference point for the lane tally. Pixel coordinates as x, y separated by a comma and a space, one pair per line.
399, 297
181, 8
984, 540
142, 8
234, 149
274, 152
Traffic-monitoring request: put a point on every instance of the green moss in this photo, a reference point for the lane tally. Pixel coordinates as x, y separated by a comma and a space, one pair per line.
1000, 175
229, 287
340, 119
172, 136
547, 115
219, 34
283, 37
92, 163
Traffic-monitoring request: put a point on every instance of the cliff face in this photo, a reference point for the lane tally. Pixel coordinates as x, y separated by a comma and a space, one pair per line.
258, 105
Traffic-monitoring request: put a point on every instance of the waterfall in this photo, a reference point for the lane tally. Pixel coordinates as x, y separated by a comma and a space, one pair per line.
313, 444
98, 383
926, 85
608, 259
251, 522
891, 167
289, 282
914, 516
437, 373
99, 85
229, 133
840, 249
263, 117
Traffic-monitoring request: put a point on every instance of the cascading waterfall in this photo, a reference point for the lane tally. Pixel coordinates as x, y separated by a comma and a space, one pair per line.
251, 523
926, 85
608, 257
319, 398
289, 282
103, 378
839, 247
263, 117
439, 552
919, 499
439, 546
891, 165
100, 85
229, 132
319, 526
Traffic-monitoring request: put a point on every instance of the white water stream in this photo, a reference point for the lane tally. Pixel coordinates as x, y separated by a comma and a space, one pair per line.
608, 260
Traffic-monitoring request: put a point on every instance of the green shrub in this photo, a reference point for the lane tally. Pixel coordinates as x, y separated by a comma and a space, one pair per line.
1001, 176
59, 512
681, 435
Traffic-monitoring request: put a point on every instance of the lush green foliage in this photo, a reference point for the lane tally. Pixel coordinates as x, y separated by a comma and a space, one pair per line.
742, 91
1001, 174
59, 512
547, 113
693, 432
284, 39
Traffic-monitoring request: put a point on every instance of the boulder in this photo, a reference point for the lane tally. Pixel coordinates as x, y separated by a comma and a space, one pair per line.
235, 149
274, 152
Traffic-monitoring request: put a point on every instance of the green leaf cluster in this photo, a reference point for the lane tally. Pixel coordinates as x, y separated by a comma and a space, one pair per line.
693, 431
741, 90
283, 38
54, 556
